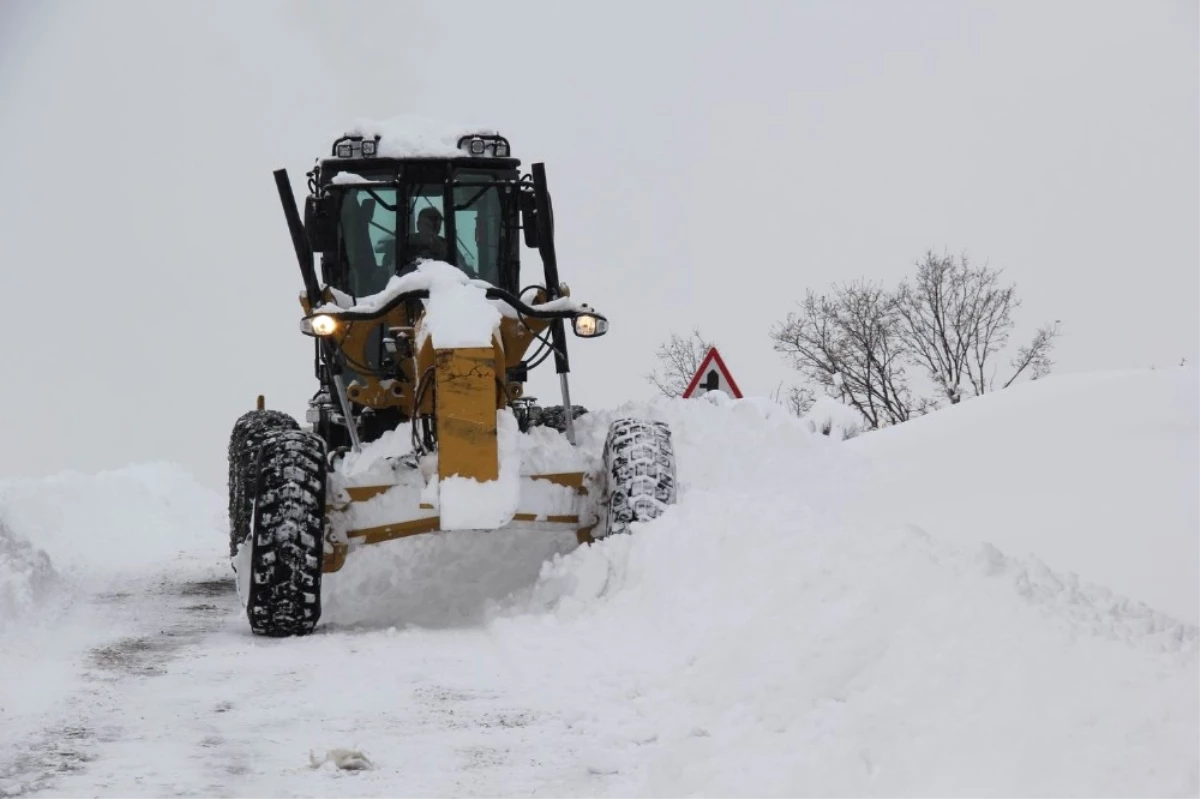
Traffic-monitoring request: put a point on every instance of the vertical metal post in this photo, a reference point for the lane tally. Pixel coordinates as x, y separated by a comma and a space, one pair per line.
304, 256
558, 334
566, 394
339, 388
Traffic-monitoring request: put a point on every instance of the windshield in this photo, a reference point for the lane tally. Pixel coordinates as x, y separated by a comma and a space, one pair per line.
371, 218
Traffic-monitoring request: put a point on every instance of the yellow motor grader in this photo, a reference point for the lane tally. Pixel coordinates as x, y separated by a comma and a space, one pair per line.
423, 338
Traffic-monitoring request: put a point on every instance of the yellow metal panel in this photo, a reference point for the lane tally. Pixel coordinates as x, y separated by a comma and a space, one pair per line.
334, 560
363, 493
358, 341
466, 413
386, 532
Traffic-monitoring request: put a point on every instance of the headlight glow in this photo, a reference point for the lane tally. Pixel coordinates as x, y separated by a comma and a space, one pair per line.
590, 325
323, 325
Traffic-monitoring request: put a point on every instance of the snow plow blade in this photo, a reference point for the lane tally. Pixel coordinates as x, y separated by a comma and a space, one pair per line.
549, 502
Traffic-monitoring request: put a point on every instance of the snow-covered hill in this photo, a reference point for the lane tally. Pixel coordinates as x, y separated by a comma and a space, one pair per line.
814, 617
1095, 474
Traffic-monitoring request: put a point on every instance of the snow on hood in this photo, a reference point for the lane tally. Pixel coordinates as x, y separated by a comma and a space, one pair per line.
457, 313
417, 137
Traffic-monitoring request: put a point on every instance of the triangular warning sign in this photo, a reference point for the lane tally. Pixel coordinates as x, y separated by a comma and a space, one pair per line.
712, 374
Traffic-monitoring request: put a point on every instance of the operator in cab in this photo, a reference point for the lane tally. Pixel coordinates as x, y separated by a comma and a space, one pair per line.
427, 241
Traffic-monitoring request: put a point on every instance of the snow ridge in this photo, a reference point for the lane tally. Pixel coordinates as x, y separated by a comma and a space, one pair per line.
1090, 608
27, 576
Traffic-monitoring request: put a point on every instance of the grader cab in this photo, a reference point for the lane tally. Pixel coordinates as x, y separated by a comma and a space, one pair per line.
424, 338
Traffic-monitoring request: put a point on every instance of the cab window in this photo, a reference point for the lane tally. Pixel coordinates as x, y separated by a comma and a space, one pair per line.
368, 228
477, 229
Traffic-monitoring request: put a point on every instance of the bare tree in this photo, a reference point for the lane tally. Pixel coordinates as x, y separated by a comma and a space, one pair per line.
953, 320
847, 342
1035, 356
678, 359
797, 399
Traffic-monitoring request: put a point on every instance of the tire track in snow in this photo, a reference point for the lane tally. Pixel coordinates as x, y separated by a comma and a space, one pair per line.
168, 618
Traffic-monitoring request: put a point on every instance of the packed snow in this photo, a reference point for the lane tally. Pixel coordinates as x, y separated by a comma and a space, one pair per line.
802, 622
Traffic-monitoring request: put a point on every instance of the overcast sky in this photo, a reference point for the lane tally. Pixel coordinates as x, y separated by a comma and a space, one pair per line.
709, 162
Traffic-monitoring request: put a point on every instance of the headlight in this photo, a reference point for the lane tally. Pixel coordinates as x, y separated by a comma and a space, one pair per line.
590, 325
368, 148
319, 325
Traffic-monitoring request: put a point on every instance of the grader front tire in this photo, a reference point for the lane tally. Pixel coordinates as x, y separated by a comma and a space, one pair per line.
287, 535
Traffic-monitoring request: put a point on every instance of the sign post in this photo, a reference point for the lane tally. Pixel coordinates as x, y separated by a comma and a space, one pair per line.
712, 375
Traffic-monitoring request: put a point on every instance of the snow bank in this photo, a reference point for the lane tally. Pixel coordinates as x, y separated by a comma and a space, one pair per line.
1094, 474
756, 641
26, 576
120, 522
408, 136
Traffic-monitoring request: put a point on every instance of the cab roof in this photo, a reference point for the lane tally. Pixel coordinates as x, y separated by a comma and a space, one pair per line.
412, 137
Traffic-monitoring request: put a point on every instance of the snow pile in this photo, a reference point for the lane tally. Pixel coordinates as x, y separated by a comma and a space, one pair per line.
831, 418
118, 522
26, 576
755, 641
455, 578
408, 136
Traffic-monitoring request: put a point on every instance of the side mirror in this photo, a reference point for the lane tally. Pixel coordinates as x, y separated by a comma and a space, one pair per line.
529, 219
320, 223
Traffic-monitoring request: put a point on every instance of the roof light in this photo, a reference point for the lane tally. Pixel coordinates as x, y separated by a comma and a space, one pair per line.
352, 145
479, 145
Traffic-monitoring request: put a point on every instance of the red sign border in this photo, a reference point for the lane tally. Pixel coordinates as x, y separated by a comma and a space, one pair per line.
709, 357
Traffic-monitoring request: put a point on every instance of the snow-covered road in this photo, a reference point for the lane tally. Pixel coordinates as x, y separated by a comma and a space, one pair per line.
767, 636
